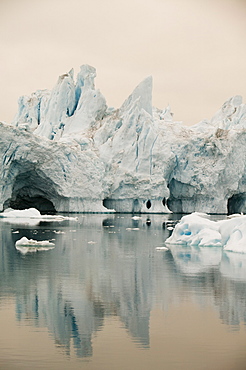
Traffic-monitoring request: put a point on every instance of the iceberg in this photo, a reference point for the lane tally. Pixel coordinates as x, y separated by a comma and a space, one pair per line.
67, 151
197, 230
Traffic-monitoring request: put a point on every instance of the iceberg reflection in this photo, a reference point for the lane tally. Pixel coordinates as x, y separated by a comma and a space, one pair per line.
109, 266
192, 260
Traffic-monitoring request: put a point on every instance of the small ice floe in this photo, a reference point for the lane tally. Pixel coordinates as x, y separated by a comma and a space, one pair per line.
136, 218
59, 232
15, 232
170, 224
32, 214
161, 249
25, 245
91, 242
132, 228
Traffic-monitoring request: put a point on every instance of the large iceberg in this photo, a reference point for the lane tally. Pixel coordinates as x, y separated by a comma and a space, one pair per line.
66, 150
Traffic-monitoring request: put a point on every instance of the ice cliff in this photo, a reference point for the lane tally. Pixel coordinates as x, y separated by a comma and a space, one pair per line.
66, 150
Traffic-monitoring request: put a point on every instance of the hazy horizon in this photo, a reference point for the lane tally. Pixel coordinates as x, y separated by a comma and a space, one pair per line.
195, 50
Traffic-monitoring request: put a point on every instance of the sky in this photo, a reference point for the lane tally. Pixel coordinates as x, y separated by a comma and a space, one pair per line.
194, 49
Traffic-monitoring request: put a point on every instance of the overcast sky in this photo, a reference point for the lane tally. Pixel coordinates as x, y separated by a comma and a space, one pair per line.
194, 49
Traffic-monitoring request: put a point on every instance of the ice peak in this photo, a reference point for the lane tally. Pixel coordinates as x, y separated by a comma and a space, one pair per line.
143, 93
70, 75
86, 76
231, 115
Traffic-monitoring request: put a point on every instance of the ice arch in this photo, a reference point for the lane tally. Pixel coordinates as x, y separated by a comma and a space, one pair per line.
32, 189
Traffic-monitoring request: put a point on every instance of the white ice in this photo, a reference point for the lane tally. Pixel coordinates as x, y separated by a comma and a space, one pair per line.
32, 214
198, 230
25, 245
67, 147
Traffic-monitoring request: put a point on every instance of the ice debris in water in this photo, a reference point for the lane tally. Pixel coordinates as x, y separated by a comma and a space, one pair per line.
25, 245
33, 213
162, 248
197, 229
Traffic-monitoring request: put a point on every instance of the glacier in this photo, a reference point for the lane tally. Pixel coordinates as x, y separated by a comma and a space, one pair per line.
67, 151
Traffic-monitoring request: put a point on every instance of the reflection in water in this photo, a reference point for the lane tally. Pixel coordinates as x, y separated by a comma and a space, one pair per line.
108, 266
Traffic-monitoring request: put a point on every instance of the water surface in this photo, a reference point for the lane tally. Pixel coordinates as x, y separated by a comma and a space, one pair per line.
105, 298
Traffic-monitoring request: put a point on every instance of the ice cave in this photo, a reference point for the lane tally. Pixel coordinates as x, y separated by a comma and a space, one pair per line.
31, 190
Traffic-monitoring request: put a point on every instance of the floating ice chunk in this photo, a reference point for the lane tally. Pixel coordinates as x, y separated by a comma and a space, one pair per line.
233, 232
58, 218
25, 245
197, 230
32, 242
161, 249
33, 213
237, 239
24, 213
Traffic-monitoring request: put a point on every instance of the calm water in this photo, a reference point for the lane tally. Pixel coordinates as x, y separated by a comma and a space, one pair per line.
105, 298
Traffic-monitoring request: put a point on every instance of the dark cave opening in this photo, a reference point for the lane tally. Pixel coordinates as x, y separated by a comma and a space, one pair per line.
32, 189
236, 203
148, 204
106, 203
42, 204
